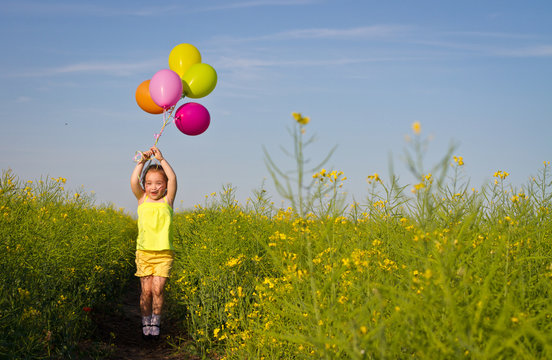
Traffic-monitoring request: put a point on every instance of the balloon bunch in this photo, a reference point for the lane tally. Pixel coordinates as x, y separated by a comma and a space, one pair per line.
188, 77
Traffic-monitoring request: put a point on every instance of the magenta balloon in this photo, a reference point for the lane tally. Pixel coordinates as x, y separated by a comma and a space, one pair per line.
192, 118
165, 88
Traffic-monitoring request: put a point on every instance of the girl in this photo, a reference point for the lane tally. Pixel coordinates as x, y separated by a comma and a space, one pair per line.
154, 249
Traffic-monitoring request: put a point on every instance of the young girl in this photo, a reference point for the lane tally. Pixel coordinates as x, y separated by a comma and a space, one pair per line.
154, 249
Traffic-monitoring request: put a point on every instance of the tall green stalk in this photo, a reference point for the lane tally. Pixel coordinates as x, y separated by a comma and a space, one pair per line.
291, 184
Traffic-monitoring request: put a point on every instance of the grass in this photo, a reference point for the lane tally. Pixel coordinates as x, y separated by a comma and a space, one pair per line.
62, 259
433, 270
474, 283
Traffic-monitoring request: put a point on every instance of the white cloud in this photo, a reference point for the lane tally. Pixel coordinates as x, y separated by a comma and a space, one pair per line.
52, 8
481, 43
258, 3
23, 100
487, 34
530, 51
356, 33
105, 68
363, 32
246, 63
489, 48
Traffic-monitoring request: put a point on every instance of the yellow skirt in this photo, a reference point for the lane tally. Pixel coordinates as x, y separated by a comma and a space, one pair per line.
156, 263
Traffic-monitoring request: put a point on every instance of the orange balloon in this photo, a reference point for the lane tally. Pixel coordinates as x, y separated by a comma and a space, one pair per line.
144, 100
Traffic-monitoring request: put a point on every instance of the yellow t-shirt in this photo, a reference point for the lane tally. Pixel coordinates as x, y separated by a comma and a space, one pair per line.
155, 231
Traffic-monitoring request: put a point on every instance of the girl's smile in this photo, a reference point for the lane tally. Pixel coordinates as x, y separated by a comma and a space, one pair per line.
155, 185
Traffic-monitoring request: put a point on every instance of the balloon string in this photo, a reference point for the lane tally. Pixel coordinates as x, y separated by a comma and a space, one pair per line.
166, 120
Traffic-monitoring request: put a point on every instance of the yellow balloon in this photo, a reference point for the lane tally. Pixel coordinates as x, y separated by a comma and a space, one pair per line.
183, 56
199, 80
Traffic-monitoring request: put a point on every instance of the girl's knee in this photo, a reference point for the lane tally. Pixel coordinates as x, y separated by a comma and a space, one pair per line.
146, 292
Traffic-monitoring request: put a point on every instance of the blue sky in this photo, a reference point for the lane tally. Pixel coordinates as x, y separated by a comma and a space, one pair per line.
474, 72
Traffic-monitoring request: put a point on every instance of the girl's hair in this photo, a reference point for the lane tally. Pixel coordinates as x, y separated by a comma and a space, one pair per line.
152, 167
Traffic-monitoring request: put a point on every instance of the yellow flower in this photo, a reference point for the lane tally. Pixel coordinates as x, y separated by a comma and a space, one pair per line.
30, 312
23, 293
235, 261
323, 175
459, 160
428, 273
501, 174
345, 262
268, 281
62, 298
302, 120
416, 127
418, 187
372, 178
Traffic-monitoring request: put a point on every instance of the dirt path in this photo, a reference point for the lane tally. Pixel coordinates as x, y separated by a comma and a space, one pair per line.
120, 332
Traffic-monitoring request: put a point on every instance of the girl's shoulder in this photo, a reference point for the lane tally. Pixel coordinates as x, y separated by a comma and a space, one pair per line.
142, 199
163, 200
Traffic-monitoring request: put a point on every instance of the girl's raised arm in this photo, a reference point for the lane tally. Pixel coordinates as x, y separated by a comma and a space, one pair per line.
135, 177
171, 176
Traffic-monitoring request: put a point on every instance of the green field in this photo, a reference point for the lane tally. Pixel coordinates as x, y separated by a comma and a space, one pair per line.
434, 270
62, 257
442, 276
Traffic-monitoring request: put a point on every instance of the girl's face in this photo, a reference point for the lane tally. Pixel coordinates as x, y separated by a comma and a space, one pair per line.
155, 185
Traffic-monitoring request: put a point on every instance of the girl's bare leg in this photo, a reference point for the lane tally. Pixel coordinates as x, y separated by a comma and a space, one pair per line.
146, 295
158, 286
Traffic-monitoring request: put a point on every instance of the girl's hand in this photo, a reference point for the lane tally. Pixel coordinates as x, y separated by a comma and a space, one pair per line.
146, 155
157, 153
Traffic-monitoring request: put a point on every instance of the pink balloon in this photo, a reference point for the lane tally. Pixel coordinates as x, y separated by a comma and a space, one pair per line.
165, 88
192, 118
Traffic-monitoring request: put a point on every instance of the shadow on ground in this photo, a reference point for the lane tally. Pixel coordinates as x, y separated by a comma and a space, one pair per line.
119, 333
